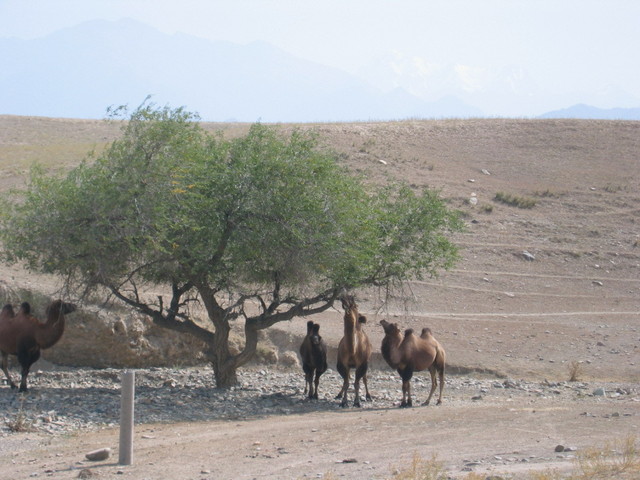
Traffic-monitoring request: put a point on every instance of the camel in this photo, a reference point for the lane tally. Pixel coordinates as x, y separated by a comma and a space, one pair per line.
410, 354
21, 334
314, 358
354, 351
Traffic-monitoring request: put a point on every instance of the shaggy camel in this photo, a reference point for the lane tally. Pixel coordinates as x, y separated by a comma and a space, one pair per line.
21, 334
314, 358
354, 351
413, 354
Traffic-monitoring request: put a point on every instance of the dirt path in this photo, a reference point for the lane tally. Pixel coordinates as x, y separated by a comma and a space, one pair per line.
498, 434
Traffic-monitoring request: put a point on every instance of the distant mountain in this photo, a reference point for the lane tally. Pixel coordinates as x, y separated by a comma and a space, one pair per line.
507, 91
80, 71
589, 112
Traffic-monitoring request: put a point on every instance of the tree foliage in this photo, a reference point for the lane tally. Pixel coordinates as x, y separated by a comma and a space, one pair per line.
264, 223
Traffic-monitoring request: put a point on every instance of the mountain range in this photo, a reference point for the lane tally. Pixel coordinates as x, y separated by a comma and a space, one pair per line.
80, 71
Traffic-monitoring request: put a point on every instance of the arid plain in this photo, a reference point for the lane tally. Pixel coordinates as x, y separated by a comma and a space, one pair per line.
537, 291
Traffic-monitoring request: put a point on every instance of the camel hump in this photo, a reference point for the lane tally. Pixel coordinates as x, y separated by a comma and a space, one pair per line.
309, 326
315, 327
8, 309
25, 308
408, 331
426, 332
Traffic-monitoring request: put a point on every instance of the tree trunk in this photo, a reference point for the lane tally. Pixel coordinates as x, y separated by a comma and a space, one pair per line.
225, 374
224, 364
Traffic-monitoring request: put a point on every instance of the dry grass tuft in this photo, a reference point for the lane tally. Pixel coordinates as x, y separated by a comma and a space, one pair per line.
515, 200
20, 422
575, 371
620, 459
421, 470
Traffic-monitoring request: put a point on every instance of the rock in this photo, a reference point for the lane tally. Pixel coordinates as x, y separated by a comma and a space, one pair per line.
85, 473
600, 392
98, 455
528, 256
559, 448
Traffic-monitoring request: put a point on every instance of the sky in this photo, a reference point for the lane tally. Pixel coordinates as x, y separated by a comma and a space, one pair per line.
564, 45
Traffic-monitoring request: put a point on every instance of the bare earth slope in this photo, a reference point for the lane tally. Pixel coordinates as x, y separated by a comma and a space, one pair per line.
574, 296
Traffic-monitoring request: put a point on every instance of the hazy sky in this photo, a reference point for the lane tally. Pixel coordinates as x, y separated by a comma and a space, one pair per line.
563, 44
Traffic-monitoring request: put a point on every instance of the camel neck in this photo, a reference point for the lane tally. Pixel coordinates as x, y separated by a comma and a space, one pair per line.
50, 332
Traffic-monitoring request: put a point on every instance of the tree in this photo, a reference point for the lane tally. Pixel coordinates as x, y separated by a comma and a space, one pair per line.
260, 229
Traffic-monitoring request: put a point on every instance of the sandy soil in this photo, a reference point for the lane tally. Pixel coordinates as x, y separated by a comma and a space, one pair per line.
497, 314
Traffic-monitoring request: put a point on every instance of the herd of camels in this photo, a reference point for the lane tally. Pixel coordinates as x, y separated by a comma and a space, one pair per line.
407, 353
23, 335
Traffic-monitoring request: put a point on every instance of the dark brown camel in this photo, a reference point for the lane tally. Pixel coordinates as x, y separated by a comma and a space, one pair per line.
354, 351
314, 358
21, 334
410, 354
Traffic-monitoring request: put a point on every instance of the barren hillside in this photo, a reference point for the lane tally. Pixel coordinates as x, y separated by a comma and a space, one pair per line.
579, 281
537, 291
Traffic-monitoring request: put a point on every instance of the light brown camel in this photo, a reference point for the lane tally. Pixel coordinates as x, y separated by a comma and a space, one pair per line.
313, 352
21, 334
410, 354
354, 351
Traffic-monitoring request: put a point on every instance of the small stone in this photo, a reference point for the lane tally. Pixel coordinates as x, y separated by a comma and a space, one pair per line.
85, 473
528, 256
559, 448
98, 455
600, 392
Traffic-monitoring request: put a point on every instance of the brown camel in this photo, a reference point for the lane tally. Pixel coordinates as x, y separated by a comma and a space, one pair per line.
354, 351
314, 358
410, 354
21, 334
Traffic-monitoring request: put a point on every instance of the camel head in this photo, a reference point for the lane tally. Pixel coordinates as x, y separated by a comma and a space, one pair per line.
60, 308
315, 337
390, 329
349, 303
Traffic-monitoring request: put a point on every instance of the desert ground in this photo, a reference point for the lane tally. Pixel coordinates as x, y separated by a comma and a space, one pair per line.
537, 291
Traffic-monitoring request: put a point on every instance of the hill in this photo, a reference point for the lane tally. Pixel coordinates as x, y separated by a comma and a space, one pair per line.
578, 281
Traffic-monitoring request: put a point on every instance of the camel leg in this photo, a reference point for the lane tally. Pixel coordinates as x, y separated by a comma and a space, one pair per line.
28, 354
432, 372
316, 383
5, 369
344, 372
308, 378
366, 388
361, 373
441, 374
406, 375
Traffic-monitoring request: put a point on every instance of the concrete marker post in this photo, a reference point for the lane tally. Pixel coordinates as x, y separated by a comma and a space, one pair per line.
126, 418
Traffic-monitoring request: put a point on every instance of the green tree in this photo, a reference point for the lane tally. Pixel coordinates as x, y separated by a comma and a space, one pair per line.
258, 229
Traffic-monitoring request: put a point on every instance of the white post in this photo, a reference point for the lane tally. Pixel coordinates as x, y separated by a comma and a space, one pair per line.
126, 418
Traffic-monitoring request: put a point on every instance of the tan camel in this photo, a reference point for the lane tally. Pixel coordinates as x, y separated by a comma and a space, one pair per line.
410, 354
354, 351
21, 334
313, 352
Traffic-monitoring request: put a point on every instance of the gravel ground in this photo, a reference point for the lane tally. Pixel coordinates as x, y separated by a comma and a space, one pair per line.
70, 399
